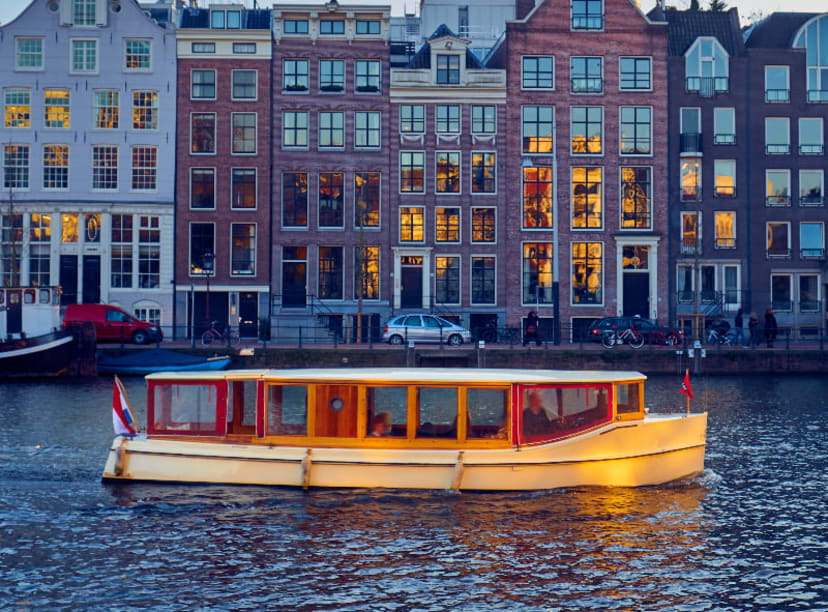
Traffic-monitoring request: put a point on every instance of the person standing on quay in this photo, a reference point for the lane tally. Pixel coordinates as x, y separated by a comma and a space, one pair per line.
753, 327
532, 332
739, 334
770, 327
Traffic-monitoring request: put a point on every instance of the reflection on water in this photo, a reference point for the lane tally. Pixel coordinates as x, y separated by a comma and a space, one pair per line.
747, 534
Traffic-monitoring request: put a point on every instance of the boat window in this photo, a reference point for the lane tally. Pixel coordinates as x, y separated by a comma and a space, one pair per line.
181, 409
2, 296
29, 296
287, 410
552, 412
14, 297
44, 296
241, 407
387, 411
486, 409
628, 398
436, 413
336, 411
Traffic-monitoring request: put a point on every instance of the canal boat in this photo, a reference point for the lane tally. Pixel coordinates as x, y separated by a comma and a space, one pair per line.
32, 342
146, 361
408, 428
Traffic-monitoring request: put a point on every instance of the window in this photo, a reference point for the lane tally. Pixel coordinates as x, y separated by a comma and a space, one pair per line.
447, 119
483, 280
586, 74
295, 75
587, 130
296, 26
243, 188
636, 130
331, 75
203, 84
690, 139
367, 130
779, 239
538, 129
706, 67
92, 224
331, 273
107, 109
538, 262
447, 173
781, 292
144, 110
294, 130
55, 166
691, 233
367, 265
105, 167
447, 280
331, 199
69, 227
40, 238
244, 48
811, 239
483, 228
412, 171
636, 197
809, 293
587, 198
810, 136
725, 177
447, 221
202, 242
367, 76
537, 198
56, 108
144, 168
814, 40
16, 166
778, 187
811, 187
331, 130
777, 86
244, 84
84, 56
332, 27
484, 119
225, 19
28, 53
149, 253
202, 188
243, 249
367, 26
587, 275
412, 118
690, 178
83, 12
724, 126
411, 224
636, 74
150, 315
121, 274
448, 69
538, 72
367, 198
11, 233
137, 55
287, 411
777, 135
203, 47
483, 172
295, 199
587, 14
18, 108
725, 230
203, 133
244, 133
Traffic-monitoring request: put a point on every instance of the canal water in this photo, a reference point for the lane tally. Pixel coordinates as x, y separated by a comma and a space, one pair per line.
748, 534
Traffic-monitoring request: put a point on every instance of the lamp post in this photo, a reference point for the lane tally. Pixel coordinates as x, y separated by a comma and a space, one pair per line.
14, 279
207, 260
361, 261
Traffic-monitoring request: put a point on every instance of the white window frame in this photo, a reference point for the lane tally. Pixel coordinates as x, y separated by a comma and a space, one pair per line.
233, 134
153, 110
471, 258
459, 258
603, 131
215, 188
471, 172
587, 242
149, 54
132, 168
471, 225
768, 254
255, 188
17, 52
367, 114
72, 68
255, 85
723, 138
523, 59
253, 251
587, 228
459, 210
459, 173
43, 158
649, 59
400, 225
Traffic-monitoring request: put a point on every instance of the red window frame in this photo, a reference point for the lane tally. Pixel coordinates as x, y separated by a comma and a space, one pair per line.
517, 412
221, 408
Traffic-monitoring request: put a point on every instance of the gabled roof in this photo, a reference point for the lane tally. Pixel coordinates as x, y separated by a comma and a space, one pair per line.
776, 31
684, 27
255, 19
422, 59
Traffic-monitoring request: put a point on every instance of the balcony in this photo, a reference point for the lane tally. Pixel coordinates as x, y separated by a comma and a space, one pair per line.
725, 191
818, 95
778, 149
811, 149
811, 200
690, 142
725, 244
778, 200
690, 246
707, 86
812, 253
777, 96
724, 139
779, 253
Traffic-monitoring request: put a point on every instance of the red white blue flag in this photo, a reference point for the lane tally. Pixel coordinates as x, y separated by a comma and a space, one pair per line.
686, 389
123, 421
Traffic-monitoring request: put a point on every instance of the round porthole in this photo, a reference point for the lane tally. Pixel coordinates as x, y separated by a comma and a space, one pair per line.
337, 404
52, 6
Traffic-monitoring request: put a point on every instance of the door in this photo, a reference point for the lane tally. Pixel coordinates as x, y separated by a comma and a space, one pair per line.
91, 279
68, 279
218, 311
14, 312
411, 289
636, 294
294, 277
248, 315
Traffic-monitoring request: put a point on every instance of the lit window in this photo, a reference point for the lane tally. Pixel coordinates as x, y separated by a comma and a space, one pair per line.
587, 274
138, 54
144, 168
107, 109
243, 188
537, 198
203, 133
587, 198
448, 224
725, 177
69, 227
367, 196
779, 239
18, 108
366, 26
811, 187
587, 14
145, 110
538, 129
636, 197
331, 199
447, 174
725, 230
366, 272
203, 47
202, 188
55, 166
411, 224
537, 273
104, 167
244, 133
295, 199
484, 171
484, 227
56, 108
243, 254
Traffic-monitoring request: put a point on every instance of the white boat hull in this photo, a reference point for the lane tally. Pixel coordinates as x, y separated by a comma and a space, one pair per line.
656, 450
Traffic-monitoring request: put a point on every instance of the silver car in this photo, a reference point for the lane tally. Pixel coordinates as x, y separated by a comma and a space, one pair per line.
424, 328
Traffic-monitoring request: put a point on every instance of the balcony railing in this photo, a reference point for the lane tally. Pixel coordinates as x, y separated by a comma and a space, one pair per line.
818, 95
777, 149
689, 193
777, 95
585, 21
725, 191
690, 246
587, 85
724, 139
811, 200
690, 142
707, 86
725, 243
778, 200
779, 253
811, 149
812, 253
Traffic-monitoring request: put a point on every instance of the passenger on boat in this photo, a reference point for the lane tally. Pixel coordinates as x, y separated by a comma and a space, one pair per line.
535, 420
381, 424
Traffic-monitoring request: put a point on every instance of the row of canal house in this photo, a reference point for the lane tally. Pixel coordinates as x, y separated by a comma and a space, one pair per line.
292, 167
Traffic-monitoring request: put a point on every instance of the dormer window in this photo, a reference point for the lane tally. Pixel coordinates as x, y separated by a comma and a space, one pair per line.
366, 26
448, 69
296, 26
83, 12
813, 37
706, 67
587, 14
332, 27
225, 19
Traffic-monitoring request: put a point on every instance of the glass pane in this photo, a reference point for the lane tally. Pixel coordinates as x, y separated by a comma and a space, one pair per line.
486, 410
437, 413
185, 407
287, 410
387, 411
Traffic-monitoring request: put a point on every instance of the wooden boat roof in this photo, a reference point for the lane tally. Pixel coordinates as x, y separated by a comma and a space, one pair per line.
410, 375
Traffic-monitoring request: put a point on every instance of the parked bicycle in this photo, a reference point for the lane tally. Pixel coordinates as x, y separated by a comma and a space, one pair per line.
633, 337
213, 334
715, 336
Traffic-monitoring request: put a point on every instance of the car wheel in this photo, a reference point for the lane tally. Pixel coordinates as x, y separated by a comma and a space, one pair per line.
139, 337
671, 340
396, 340
455, 340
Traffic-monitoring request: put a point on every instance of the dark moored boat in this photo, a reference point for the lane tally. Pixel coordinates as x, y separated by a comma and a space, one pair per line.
142, 362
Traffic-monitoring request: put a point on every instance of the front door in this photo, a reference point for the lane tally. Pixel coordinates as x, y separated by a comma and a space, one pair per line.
248, 315
91, 279
14, 312
294, 273
636, 294
68, 279
411, 289
218, 311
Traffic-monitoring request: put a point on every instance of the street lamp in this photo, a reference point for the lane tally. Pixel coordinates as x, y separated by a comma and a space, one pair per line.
361, 262
207, 260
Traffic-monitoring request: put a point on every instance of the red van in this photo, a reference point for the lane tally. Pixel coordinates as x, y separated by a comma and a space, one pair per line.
113, 324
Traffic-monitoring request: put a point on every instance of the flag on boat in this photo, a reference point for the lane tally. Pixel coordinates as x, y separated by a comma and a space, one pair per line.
686, 388
123, 421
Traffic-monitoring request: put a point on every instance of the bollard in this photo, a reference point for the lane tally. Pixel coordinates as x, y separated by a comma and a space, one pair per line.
481, 354
300, 336
409, 354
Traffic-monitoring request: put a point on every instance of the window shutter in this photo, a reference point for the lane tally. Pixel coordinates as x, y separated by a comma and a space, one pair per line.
100, 12
65, 9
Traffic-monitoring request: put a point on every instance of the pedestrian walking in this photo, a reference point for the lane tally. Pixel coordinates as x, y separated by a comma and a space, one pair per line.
753, 328
770, 327
739, 333
532, 329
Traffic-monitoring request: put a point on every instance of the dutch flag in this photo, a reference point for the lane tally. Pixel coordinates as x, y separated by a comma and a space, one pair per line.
123, 421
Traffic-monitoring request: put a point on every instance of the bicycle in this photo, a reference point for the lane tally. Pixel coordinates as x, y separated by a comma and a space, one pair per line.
716, 337
631, 336
212, 333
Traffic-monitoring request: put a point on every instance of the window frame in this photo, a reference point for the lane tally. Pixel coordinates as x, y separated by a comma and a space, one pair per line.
526, 275
105, 171
589, 78
769, 225
483, 121
586, 259
447, 155
408, 230
233, 85
637, 125
458, 278
484, 227
233, 184
446, 226
367, 88
412, 167
296, 75
332, 88
601, 223
450, 73
18, 66
59, 173
413, 121
537, 72
64, 109
472, 176
367, 130
635, 213
448, 120
587, 123
193, 84
724, 242
211, 172
473, 280
295, 130
330, 130
252, 251
215, 133
635, 73
538, 123
73, 69
152, 111
148, 171
722, 191
234, 141
148, 54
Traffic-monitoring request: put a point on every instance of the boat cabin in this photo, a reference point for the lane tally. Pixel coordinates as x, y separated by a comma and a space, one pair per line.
389, 408
28, 311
